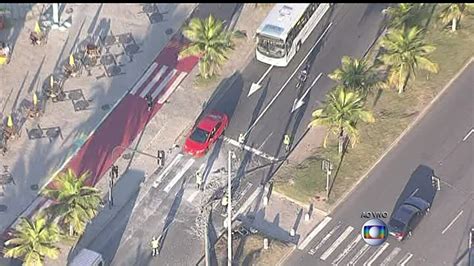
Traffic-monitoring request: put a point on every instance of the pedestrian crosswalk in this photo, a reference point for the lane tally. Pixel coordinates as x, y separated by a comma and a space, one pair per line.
157, 79
336, 243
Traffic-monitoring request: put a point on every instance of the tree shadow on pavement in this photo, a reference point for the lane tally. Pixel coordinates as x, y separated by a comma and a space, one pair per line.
104, 233
15, 21
172, 214
93, 23
213, 237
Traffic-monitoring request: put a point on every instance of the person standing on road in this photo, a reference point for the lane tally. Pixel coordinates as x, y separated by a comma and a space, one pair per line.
199, 180
149, 102
287, 142
155, 245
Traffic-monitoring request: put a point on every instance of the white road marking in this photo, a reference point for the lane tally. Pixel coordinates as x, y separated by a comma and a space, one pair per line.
315, 232
163, 84
193, 196
359, 255
256, 86
145, 76
323, 241
347, 250
390, 257
379, 252
299, 102
248, 148
247, 203
452, 222
468, 134
405, 259
179, 175
263, 143
336, 243
152, 82
289, 79
167, 169
173, 87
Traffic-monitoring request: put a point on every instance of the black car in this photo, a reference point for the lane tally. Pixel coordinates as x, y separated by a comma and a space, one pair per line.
407, 216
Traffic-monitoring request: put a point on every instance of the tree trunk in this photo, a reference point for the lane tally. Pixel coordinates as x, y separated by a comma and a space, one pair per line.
341, 141
454, 24
401, 84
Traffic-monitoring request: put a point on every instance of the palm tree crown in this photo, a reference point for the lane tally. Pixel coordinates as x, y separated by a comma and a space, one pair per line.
33, 240
340, 114
76, 203
210, 41
453, 13
405, 52
404, 14
355, 74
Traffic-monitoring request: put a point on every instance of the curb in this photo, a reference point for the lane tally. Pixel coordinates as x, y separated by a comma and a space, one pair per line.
61, 167
407, 129
304, 205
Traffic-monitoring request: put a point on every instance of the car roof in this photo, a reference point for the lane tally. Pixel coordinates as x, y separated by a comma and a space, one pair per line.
417, 202
209, 121
405, 212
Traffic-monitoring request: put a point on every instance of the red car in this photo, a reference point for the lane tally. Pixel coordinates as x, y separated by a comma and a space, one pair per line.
207, 131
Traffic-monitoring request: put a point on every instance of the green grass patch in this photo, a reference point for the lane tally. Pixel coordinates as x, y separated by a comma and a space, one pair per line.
393, 114
249, 250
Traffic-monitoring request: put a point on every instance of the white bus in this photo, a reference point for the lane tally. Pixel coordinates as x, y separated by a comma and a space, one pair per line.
285, 29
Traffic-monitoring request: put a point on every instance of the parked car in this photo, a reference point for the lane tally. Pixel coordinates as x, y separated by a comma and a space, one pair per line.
207, 131
407, 217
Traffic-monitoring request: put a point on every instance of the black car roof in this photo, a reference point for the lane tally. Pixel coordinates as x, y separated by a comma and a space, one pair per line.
405, 212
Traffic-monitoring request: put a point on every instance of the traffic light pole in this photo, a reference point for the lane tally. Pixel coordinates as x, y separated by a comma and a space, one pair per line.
135, 150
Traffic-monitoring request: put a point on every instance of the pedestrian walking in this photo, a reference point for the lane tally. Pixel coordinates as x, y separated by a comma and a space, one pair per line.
155, 246
149, 102
199, 180
287, 142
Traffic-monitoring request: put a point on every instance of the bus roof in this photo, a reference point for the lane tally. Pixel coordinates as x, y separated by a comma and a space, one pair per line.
281, 19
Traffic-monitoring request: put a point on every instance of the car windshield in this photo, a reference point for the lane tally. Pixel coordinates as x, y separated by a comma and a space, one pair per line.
199, 135
404, 213
396, 225
271, 47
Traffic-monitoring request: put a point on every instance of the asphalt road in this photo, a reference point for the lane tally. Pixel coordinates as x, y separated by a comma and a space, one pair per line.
354, 29
440, 140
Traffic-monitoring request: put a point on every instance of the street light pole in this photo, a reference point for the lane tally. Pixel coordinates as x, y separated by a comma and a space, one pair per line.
229, 210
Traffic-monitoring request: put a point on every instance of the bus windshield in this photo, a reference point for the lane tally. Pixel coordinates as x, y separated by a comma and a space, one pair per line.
271, 47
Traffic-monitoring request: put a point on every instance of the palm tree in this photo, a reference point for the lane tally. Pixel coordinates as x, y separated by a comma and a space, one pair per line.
76, 204
33, 240
340, 114
453, 13
404, 14
357, 75
210, 41
405, 52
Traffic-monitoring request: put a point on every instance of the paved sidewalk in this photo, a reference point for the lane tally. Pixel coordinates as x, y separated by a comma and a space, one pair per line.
33, 162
